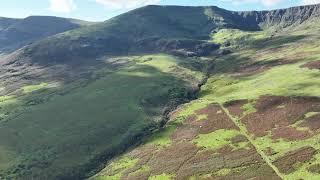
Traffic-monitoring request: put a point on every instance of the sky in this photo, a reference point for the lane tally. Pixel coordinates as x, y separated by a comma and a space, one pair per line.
100, 10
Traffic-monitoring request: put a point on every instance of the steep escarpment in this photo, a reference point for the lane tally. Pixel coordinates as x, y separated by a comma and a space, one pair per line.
283, 18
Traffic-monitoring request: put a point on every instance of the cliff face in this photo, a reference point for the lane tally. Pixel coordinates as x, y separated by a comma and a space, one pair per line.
291, 16
282, 18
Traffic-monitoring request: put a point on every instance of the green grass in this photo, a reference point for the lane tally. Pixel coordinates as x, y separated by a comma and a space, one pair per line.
143, 169
249, 108
76, 124
202, 117
223, 172
237, 38
99, 117
190, 109
123, 163
286, 80
119, 166
162, 138
282, 146
216, 139
31, 88
311, 114
161, 177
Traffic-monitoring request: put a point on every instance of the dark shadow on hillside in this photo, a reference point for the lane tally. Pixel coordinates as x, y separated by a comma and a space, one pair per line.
110, 114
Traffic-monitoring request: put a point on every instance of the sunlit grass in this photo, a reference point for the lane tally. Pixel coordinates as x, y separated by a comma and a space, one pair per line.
163, 137
161, 177
216, 139
286, 80
31, 88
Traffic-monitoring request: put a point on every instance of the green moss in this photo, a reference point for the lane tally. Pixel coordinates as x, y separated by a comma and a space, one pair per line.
161, 177
216, 139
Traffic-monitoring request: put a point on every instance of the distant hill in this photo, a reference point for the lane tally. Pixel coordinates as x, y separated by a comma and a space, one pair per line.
15, 33
156, 28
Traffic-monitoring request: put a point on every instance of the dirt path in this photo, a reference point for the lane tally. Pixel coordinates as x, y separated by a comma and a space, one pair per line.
244, 131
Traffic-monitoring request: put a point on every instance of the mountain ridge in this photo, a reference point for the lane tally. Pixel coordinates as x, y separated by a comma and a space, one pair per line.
97, 39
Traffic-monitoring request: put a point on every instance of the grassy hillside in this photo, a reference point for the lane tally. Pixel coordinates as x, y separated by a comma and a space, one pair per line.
16, 33
256, 117
71, 102
100, 116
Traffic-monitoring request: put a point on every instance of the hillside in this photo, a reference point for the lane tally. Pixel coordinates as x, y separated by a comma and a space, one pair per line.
16, 33
166, 92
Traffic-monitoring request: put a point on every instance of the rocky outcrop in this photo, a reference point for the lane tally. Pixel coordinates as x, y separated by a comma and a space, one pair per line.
281, 18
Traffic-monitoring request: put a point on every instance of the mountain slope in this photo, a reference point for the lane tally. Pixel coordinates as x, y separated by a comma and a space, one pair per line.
6, 22
15, 33
73, 101
257, 116
152, 29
